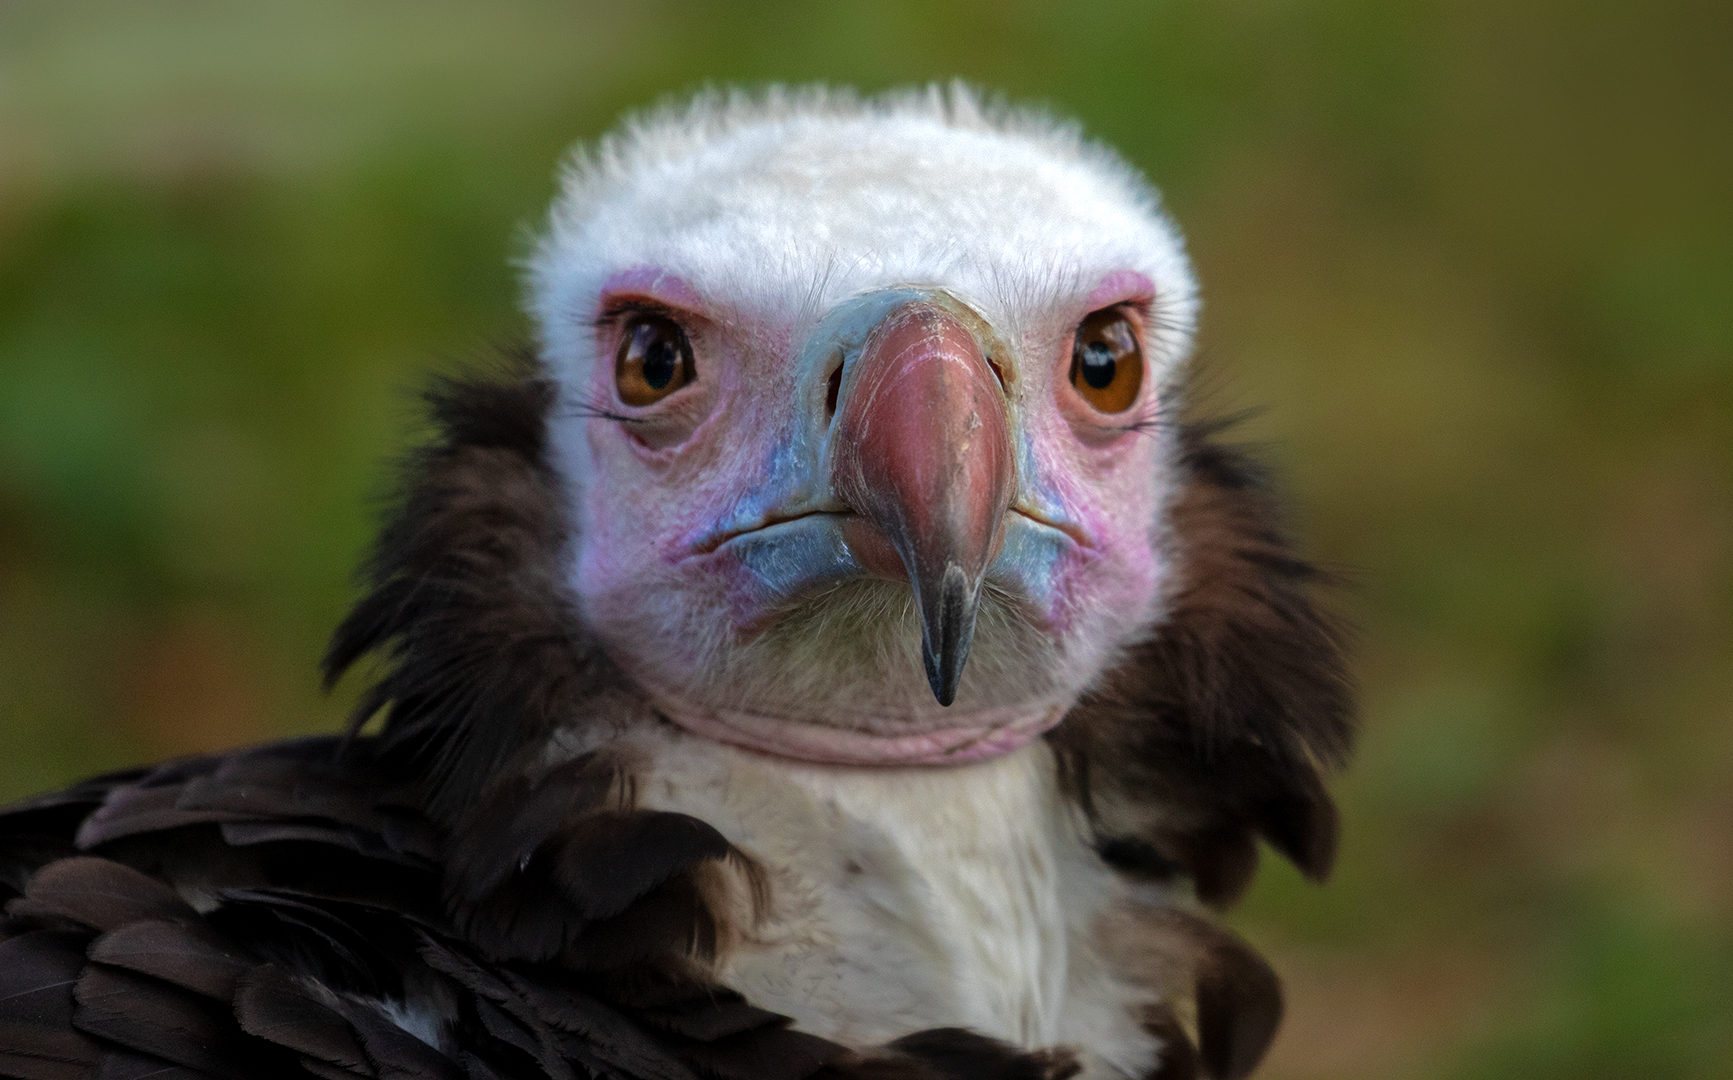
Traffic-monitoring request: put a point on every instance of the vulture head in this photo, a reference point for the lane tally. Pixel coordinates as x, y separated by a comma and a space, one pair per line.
864, 418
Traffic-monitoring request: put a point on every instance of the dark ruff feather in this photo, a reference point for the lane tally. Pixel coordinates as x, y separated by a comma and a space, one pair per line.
486, 654
1220, 728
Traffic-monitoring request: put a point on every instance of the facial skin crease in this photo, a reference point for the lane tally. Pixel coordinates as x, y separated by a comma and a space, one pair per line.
716, 569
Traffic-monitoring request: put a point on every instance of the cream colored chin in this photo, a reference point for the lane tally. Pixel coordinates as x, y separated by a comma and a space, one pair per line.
839, 679
973, 736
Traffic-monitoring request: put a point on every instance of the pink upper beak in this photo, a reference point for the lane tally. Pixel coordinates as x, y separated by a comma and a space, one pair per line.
923, 455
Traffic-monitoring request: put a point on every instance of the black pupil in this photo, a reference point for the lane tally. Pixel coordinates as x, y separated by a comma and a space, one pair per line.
661, 358
1098, 364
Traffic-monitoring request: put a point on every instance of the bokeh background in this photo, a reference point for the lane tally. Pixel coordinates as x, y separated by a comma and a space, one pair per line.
1474, 256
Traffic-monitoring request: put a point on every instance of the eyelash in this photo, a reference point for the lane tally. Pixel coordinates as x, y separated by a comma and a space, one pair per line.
1139, 308
618, 311
1157, 420
593, 410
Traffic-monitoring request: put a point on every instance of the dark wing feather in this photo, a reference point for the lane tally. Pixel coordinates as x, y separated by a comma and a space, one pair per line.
396, 1054
137, 809
187, 954
121, 1065
477, 1068
498, 1024
624, 1047
102, 894
710, 1013
109, 971
153, 1018
38, 970
773, 1053
488, 988
40, 829
270, 1006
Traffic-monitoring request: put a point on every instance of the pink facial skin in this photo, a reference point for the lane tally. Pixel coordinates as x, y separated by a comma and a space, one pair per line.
654, 283
1098, 469
706, 524
1120, 287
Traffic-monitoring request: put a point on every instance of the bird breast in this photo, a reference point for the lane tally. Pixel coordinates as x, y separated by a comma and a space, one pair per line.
903, 899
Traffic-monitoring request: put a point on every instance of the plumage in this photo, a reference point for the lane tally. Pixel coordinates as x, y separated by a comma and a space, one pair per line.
101, 894
183, 952
38, 970
268, 1005
823, 657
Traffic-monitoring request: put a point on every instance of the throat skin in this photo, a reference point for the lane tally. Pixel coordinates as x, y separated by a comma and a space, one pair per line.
978, 735
906, 898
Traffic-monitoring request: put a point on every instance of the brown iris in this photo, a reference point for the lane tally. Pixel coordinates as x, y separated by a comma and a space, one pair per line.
654, 360
1107, 361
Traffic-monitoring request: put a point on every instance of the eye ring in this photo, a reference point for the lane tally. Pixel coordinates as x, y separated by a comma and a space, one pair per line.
1107, 360
654, 359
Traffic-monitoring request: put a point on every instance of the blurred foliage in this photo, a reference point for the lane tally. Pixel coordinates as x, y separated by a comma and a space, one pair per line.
1477, 257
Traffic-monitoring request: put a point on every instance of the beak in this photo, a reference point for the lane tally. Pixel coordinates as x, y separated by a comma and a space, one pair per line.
923, 456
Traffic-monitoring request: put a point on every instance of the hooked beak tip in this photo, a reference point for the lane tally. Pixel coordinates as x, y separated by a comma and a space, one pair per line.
947, 630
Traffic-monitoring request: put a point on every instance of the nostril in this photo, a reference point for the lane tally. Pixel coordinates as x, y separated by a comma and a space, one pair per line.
998, 374
833, 392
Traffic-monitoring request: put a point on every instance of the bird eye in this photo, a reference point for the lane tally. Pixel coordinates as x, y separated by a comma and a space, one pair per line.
1107, 361
654, 360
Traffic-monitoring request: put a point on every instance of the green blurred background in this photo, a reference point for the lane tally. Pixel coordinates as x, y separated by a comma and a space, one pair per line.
1476, 257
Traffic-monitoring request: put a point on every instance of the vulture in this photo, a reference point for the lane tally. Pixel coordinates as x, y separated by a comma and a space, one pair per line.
824, 654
